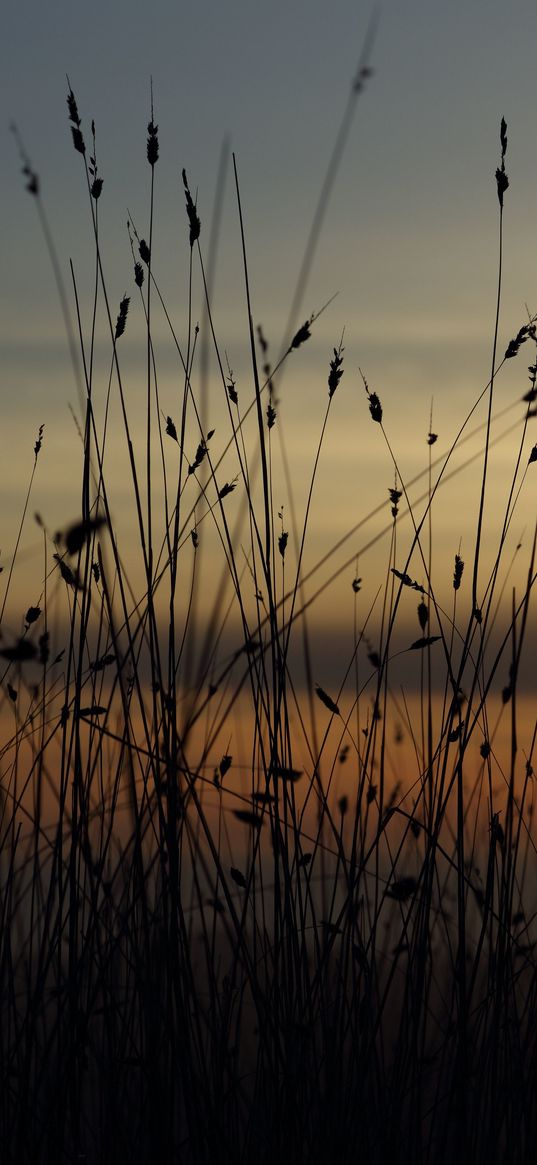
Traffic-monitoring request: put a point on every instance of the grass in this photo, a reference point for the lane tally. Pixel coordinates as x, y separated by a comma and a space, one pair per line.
229, 933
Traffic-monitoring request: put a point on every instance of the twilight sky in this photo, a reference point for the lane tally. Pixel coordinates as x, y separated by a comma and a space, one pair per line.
409, 244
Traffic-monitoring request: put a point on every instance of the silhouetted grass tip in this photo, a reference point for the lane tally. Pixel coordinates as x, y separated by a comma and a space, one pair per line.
201, 453
152, 143
375, 407
232, 389
96, 188
227, 489
122, 317
171, 431
423, 614
78, 140
301, 336
395, 498
502, 181
527, 331
326, 700
407, 581
225, 765
457, 573
336, 370
193, 218
39, 442
69, 576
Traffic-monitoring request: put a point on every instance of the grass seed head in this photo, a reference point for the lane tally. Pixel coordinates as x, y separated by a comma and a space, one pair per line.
201, 453
502, 181
96, 188
193, 217
336, 371
326, 700
395, 498
301, 336
227, 489
122, 317
152, 143
522, 335
375, 407
232, 390
457, 573
423, 615
39, 442
145, 253
72, 106
171, 430
78, 140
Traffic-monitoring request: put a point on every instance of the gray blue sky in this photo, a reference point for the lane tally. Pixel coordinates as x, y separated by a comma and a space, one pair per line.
409, 244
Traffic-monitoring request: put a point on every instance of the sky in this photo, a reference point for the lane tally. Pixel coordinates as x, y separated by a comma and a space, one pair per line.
409, 246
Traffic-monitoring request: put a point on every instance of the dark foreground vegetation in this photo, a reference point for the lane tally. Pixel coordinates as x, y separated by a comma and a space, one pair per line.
227, 952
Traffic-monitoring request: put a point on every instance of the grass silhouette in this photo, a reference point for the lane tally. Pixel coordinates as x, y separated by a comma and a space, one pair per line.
211, 954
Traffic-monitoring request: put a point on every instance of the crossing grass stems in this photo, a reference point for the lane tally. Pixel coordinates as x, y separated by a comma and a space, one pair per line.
213, 957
